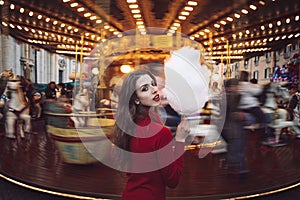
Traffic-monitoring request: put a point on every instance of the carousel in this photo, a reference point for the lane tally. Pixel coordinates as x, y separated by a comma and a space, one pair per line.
82, 125
69, 154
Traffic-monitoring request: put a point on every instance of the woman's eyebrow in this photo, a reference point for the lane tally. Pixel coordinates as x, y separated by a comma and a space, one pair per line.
146, 84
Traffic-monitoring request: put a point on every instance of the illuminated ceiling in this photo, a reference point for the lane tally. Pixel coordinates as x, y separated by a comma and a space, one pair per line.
249, 27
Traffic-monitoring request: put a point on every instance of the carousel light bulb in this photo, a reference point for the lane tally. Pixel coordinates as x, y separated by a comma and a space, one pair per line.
95, 71
125, 69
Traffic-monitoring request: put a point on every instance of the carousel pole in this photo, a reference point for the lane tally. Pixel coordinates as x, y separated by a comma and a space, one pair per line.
178, 37
298, 66
223, 66
210, 46
76, 67
137, 48
228, 60
27, 68
102, 55
81, 58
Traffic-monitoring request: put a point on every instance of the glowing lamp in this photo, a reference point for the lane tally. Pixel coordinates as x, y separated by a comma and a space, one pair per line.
125, 69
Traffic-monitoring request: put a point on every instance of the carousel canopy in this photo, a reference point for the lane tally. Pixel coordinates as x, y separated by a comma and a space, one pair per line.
243, 28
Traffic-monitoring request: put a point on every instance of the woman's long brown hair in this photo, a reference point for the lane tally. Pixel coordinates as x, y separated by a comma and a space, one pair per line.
127, 111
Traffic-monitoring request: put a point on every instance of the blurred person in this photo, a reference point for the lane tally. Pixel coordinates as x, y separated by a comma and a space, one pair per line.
215, 94
69, 91
253, 80
59, 105
138, 129
215, 91
61, 90
29, 90
249, 103
293, 102
233, 132
50, 91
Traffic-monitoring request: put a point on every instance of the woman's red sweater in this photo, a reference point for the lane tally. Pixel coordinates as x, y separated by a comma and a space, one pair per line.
157, 163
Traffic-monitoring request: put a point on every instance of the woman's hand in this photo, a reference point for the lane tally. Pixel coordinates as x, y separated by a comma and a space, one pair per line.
183, 130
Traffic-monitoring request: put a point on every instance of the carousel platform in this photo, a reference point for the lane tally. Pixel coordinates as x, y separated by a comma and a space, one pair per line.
35, 166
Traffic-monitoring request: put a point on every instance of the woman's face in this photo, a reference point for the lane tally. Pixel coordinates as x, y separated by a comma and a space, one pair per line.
147, 91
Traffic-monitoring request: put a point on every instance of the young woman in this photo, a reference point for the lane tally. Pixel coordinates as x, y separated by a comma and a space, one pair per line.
155, 159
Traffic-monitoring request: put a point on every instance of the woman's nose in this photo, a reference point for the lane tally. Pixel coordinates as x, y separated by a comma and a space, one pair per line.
154, 89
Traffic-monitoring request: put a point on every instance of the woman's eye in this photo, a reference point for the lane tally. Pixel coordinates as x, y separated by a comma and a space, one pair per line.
144, 89
153, 84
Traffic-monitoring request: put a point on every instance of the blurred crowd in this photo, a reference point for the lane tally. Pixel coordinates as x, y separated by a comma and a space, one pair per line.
246, 104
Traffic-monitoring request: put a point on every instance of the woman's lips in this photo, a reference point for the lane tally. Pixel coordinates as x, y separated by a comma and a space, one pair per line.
156, 98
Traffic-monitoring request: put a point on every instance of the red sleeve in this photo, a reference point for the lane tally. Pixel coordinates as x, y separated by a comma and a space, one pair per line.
170, 157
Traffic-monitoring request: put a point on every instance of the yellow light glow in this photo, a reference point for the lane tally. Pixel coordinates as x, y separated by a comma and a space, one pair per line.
217, 25
244, 11
87, 14
229, 19
74, 5
80, 9
137, 16
185, 13
125, 69
93, 17
133, 6
188, 8
182, 17
131, 1
237, 15
278, 23
253, 7
223, 22
192, 3
135, 11
176, 24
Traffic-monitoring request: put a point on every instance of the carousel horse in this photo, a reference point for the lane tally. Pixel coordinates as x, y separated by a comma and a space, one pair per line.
18, 111
282, 95
272, 97
296, 121
275, 97
81, 103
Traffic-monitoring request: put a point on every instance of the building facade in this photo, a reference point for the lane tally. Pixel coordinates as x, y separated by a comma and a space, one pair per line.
38, 65
42, 66
277, 66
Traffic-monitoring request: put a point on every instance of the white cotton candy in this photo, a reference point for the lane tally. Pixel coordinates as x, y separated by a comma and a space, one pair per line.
187, 81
